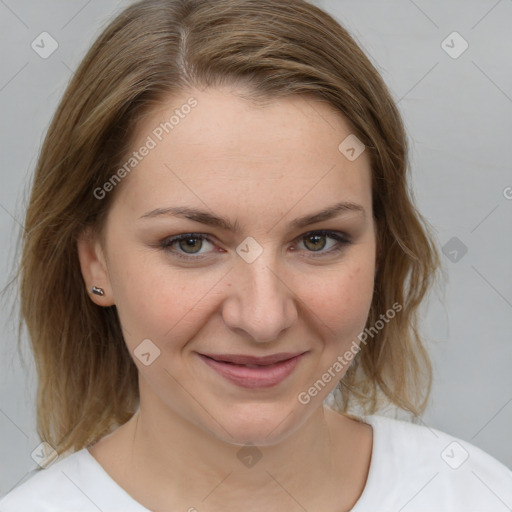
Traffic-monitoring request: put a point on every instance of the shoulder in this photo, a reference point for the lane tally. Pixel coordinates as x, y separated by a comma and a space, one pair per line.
48, 487
423, 467
75, 483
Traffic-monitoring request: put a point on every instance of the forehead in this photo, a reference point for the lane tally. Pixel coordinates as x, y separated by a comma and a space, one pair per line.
213, 143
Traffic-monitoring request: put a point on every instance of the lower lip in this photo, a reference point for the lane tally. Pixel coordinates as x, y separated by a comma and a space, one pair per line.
253, 378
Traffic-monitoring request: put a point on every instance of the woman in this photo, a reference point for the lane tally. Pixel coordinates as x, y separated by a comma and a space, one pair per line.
220, 237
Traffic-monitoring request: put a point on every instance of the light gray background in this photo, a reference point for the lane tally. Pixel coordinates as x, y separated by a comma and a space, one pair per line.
458, 113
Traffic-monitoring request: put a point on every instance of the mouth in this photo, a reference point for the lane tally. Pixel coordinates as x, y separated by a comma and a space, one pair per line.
253, 372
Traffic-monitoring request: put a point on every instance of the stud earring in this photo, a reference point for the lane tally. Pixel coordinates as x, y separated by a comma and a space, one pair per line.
97, 291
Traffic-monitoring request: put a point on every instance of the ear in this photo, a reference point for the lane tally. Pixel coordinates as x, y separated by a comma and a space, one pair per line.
94, 267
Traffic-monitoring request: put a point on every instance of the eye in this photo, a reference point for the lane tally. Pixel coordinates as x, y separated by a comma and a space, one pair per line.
316, 242
188, 245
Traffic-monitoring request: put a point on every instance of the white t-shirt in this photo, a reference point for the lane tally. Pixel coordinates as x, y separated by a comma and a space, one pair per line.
413, 469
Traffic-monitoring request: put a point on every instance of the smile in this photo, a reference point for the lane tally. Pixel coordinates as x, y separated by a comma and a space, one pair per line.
253, 372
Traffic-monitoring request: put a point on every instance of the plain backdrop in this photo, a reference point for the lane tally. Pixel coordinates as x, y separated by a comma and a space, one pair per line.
457, 107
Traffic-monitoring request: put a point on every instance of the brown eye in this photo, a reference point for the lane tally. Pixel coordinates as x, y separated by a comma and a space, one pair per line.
187, 246
315, 242
324, 243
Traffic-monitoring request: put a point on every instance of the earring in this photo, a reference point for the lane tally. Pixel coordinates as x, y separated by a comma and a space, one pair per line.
97, 291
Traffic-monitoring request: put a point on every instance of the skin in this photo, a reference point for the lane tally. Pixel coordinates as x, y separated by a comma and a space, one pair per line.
262, 166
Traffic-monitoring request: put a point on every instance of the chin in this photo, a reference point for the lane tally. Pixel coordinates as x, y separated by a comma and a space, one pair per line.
260, 424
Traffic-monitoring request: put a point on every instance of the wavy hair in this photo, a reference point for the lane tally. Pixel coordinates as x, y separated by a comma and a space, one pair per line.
87, 380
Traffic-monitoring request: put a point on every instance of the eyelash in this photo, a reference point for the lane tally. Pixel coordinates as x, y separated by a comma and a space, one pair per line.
341, 240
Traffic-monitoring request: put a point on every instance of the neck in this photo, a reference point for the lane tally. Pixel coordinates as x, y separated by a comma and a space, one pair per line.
168, 460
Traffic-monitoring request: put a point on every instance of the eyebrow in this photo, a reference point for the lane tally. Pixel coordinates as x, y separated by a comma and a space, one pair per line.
209, 219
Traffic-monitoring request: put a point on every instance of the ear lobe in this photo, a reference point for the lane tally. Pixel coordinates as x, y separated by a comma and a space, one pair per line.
94, 268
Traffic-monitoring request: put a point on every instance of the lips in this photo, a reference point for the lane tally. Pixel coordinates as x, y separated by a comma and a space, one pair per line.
252, 360
251, 371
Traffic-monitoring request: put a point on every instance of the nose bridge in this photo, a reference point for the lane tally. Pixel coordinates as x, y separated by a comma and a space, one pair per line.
262, 304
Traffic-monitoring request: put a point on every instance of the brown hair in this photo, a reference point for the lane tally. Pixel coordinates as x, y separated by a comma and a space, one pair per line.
87, 380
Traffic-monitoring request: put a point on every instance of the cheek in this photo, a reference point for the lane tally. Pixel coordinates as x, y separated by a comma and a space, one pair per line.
342, 298
158, 302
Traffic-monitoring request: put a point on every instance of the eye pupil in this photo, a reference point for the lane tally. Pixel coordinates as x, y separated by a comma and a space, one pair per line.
316, 239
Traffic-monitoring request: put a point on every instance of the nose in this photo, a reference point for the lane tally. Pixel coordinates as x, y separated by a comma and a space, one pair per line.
262, 303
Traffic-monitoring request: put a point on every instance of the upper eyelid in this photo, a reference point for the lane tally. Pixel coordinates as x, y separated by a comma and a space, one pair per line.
211, 238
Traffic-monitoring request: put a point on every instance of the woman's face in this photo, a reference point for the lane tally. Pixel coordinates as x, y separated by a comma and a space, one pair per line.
257, 280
